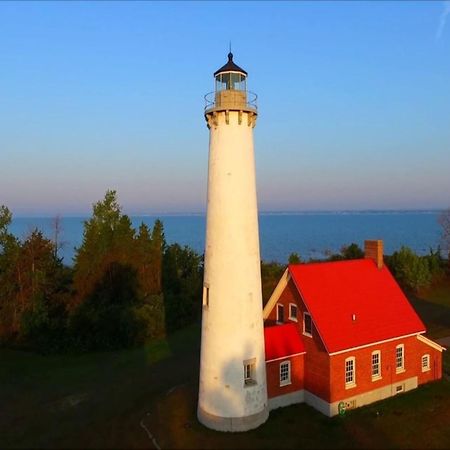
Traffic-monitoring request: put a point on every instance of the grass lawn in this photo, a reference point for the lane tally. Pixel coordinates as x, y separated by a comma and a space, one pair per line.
433, 306
101, 399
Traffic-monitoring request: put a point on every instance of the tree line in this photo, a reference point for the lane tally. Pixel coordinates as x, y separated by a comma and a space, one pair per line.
126, 285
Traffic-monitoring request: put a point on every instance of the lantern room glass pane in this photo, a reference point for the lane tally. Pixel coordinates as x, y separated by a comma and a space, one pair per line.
230, 80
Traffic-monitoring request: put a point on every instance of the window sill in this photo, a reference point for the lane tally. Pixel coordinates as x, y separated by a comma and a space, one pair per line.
250, 383
293, 319
350, 386
426, 369
285, 383
378, 377
400, 370
307, 334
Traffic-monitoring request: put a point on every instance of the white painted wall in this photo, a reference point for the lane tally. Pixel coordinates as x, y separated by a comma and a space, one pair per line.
232, 324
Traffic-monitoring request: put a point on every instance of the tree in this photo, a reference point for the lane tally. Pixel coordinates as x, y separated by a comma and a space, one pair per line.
107, 238
444, 220
57, 230
182, 285
33, 287
352, 251
294, 258
409, 269
117, 280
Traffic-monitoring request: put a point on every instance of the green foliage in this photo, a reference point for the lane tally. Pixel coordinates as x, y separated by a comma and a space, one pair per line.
149, 317
117, 279
270, 275
32, 289
444, 221
294, 258
182, 285
352, 251
105, 319
410, 270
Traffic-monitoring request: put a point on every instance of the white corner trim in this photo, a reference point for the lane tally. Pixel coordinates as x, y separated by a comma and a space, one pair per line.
431, 343
374, 343
284, 280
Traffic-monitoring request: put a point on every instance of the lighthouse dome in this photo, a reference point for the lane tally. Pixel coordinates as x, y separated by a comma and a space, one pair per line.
230, 66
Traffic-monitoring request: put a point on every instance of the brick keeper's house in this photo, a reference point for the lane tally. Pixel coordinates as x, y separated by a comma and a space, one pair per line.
343, 335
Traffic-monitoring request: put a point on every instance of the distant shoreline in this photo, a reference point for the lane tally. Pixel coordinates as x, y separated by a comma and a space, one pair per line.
261, 213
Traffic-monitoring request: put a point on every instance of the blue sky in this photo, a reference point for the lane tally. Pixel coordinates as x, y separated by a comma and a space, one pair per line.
354, 101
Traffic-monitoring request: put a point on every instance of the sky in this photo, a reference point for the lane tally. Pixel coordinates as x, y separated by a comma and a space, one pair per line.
353, 100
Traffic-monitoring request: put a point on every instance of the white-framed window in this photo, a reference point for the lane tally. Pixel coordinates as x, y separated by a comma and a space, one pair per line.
285, 373
307, 324
350, 376
293, 312
280, 313
376, 365
400, 358
426, 366
399, 388
206, 295
249, 372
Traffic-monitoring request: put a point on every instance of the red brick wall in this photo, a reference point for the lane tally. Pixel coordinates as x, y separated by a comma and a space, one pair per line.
316, 359
273, 376
413, 352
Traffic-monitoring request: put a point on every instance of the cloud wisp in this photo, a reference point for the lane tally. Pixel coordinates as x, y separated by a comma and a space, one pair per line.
443, 19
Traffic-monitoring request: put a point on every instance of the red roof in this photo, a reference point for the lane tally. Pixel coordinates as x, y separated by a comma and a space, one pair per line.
335, 293
282, 341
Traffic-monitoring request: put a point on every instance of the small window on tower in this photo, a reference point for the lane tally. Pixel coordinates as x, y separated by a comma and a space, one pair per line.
249, 372
280, 313
206, 295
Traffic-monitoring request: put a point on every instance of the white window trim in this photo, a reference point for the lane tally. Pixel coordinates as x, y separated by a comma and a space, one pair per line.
426, 368
376, 377
304, 332
350, 384
402, 368
288, 381
291, 317
251, 381
278, 319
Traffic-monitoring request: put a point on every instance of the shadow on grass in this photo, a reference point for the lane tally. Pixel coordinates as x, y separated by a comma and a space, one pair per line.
435, 316
91, 400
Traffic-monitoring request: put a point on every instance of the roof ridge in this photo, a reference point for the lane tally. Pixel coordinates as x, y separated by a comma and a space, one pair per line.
340, 261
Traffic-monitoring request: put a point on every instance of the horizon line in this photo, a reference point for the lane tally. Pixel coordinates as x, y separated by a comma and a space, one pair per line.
262, 212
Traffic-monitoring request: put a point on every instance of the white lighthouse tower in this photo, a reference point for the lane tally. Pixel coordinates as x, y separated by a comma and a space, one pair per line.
232, 391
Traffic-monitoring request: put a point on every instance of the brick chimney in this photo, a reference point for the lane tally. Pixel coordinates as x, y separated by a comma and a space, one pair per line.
373, 249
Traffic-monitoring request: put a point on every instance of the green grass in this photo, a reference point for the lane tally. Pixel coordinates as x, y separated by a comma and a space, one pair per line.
417, 419
433, 306
99, 400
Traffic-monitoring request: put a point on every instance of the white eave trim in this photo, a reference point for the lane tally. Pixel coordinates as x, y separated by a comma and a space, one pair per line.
285, 357
284, 280
431, 343
377, 342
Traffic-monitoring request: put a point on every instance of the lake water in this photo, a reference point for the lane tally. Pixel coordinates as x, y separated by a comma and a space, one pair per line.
308, 234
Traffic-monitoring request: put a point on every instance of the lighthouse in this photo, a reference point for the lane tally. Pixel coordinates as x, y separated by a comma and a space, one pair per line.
232, 387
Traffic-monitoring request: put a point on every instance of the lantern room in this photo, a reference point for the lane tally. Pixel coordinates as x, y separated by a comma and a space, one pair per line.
230, 90
230, 77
